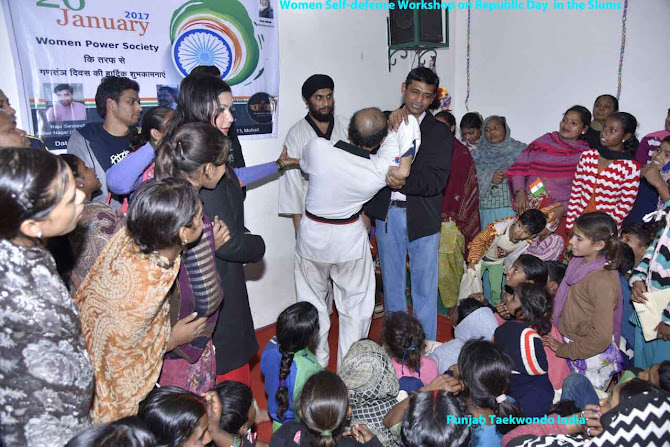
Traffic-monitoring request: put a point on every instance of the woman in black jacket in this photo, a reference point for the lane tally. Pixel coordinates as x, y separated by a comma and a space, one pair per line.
206, 98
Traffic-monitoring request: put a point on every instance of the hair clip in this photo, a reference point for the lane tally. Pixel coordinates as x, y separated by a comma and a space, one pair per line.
282, 382
412, 348
502, 398
181, 151
326, 433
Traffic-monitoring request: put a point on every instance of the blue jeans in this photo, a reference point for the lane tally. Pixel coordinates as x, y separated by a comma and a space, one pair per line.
394, 245
578, 388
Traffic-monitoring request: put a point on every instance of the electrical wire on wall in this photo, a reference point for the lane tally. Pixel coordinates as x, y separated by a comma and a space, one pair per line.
624, 18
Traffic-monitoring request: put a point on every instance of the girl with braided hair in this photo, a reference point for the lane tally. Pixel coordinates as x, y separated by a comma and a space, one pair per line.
288, 360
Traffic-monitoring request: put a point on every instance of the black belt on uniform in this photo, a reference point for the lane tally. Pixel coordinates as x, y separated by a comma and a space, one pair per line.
399, 203
347, 220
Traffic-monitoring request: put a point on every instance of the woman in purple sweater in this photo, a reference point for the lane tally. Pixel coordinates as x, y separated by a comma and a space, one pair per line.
127, 175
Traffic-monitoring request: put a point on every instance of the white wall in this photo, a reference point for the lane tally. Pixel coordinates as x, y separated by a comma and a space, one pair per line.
528, 66
532, 66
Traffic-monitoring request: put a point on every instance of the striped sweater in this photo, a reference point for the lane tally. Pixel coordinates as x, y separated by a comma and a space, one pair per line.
615, 188
531, 387
654, 269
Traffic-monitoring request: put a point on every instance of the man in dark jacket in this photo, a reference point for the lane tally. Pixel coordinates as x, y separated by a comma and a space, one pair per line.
407, 217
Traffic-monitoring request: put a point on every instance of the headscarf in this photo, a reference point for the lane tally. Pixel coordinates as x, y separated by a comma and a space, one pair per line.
491, 157
373, 386
316, 82
549, 156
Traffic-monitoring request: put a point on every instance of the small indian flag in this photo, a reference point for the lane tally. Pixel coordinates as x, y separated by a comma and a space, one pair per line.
537, 188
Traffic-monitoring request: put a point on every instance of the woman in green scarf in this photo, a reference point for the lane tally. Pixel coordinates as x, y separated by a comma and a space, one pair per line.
495, 154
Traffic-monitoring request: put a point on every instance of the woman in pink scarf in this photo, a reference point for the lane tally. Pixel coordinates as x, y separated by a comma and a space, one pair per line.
542, 175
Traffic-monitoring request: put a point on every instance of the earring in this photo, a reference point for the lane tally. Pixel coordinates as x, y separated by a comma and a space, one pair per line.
184, 242
39, 234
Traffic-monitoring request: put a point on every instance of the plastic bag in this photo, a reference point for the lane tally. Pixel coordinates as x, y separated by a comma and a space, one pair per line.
471, 282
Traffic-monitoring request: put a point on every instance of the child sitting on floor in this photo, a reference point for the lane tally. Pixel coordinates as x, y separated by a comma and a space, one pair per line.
658, 375
176, 417
551, 273
635, 413
556, 272
485, 372
424, 421
125, 432
288, 360
472, 319
528, 269
324, 410
639, 237
405, 340
368, 373
501, 243
521, 340
233, 412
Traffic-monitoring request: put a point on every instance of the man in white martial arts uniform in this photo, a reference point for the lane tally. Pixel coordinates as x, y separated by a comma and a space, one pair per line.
321, 121
332, 240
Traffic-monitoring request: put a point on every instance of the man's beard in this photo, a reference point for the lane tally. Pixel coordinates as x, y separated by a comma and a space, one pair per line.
321, 117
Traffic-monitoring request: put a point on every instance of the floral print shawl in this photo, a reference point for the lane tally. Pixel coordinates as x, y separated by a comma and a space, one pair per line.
125, 316
46, 380
96, 226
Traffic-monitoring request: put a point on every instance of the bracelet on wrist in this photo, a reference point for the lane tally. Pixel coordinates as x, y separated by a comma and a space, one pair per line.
280, 165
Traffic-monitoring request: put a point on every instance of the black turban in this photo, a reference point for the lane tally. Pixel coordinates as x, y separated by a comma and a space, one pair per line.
316, 82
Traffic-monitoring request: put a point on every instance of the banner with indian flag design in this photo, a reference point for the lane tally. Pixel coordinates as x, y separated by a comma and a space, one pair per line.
63, 49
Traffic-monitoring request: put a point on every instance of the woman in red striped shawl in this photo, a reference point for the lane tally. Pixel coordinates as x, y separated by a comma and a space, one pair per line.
542, 175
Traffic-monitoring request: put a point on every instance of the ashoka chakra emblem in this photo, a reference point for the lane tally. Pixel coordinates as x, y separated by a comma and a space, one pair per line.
201, 47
